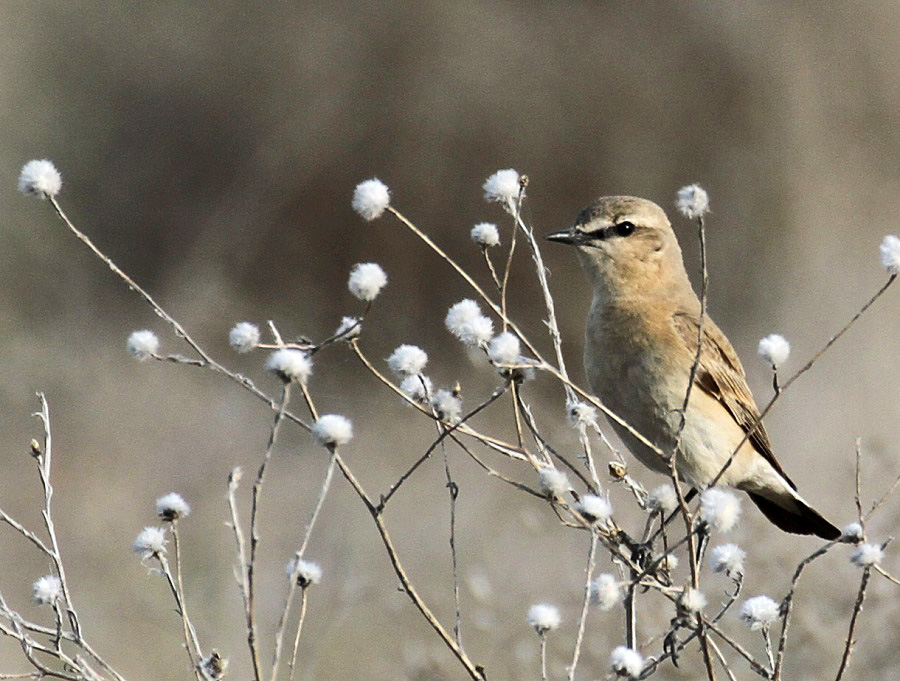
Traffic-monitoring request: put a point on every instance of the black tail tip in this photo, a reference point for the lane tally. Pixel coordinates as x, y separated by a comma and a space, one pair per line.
802, 520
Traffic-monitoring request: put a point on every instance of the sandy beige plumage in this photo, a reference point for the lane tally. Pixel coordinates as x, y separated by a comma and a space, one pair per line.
640, 345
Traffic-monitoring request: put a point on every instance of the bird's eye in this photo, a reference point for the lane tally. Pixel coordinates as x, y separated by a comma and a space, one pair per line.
625, 228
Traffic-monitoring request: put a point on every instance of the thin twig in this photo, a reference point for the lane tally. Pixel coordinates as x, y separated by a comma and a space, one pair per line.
323, 492
476, 672
857, 608
190, 643
252, 633
585, 606
190, 634
806, 367
300, 621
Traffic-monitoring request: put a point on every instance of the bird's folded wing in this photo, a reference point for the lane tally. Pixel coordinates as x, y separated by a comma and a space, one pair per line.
721, 375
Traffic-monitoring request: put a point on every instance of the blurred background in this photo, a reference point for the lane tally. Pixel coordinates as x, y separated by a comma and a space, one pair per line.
211, 150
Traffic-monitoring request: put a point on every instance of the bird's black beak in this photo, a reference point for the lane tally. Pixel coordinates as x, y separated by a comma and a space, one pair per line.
565, 236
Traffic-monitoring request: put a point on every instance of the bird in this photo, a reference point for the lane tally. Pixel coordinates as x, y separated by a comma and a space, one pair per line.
640, 346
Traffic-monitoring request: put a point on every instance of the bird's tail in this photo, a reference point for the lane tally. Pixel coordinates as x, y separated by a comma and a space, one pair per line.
793, 514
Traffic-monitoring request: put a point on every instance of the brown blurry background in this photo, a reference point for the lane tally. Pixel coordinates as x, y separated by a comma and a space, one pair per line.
212, 148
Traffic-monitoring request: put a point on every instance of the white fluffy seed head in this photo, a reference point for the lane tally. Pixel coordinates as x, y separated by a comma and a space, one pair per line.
692, 201
417, 388
447, 406
728, 559
581, 414
47, 590
502, 187
594, 509
774, 349
40, 178
890, 254
552, 482
465, 321
669, 562
759, 612
459, 314
244, 337
544, 617
663, 499
477, 332
504, 348
692, 600
290, 365
150, 542
349, 328
172, 507
143, 344
371, 198
333, 430
605, 592
305, 572
625, 661
853, 533
719, 509
408, 360
867, 555
485, 234
366, 281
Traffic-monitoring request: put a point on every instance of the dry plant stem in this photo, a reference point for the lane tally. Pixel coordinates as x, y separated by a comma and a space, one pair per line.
722, 661
585, 606
445, 432
591, 399
300, 621
857, 495
44, 465
504, 286
543, 656
490, 266
857, 608
588, 454
787, 605
517, 417
241, 568
806, 367
323, 492
673, 467
884, 497
44, 462
552, 325
768, 644
547, 450
206, 361
453, 491
474, 671
630, 603
190, 644
252, 633
495, 473
492, 442
282, 623
190, 634
740, 650
465, 275
887, 575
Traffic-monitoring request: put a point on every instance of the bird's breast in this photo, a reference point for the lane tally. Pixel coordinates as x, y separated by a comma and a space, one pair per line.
633, 359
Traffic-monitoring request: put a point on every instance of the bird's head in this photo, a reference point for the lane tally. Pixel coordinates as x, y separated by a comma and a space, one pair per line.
626, 246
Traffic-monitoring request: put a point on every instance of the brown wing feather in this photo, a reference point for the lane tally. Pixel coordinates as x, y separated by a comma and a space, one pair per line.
721, 375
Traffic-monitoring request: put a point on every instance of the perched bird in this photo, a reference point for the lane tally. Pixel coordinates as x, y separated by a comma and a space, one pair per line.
641, 342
